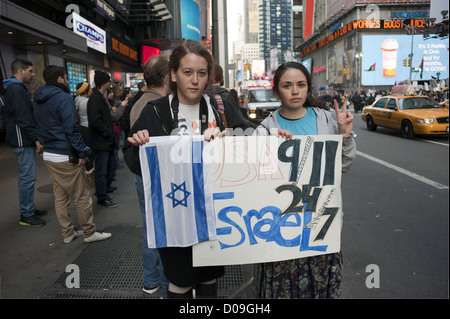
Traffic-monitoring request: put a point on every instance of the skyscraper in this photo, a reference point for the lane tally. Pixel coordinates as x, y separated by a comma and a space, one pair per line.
275, 31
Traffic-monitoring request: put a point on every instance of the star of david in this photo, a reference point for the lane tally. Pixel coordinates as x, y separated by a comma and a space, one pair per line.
175, 200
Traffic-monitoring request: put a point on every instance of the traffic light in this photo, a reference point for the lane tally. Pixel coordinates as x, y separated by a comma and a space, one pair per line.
404, 62
409, 62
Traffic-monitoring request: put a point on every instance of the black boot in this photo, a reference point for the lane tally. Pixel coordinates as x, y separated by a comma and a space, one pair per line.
174, 295
206, 291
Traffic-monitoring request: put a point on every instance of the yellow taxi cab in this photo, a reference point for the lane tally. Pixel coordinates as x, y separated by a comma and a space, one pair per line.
412, 114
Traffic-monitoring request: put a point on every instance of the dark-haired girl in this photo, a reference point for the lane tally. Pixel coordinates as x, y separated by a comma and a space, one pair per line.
300, 114
186, 111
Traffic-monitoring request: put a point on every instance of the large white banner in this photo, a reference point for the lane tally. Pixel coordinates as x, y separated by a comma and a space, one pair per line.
262, 199
274, 199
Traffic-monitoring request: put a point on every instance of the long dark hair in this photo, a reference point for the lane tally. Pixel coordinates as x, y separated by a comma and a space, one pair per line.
310, 100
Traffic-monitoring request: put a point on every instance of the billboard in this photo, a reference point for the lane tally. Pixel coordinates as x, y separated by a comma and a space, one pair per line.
308, 17
307, 64
190, 20
258, 68
76, 73
341, 60
386, 59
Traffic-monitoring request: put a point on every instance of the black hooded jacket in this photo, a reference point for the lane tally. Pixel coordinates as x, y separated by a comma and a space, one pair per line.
156, 118
101, 125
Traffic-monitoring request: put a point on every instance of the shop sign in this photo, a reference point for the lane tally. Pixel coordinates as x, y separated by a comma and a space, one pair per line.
335, 26
124, 49
105, 9
409, 15
318, 69
95, 37
365, 24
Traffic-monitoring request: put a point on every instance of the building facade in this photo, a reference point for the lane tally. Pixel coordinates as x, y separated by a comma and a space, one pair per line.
84, 35
355, 45
275, 32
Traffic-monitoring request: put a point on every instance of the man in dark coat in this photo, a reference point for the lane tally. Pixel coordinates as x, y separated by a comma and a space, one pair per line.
103, 142
65, 155
356, 99
22, 137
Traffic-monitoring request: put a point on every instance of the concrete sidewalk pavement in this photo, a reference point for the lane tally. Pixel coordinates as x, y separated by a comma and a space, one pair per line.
33, 261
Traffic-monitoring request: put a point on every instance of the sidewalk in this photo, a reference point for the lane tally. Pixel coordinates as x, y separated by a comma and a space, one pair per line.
33, 261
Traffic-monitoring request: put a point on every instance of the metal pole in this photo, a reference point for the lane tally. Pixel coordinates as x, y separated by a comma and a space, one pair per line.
411, 55
220, 35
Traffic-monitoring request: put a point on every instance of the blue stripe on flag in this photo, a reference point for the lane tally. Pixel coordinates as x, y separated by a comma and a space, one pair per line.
156, 197
199, 191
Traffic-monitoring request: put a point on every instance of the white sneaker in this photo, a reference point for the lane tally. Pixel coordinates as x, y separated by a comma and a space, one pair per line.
151, 290
76, 234
97, 237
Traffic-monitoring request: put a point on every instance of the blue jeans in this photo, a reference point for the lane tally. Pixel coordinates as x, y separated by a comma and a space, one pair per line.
105, 168
27, 176
153, 267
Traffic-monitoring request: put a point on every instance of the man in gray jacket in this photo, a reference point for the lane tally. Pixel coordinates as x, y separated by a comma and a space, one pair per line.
156, 75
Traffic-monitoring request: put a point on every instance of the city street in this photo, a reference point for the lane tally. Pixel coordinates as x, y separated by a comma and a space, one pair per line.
394, 219
251, 56
393, 222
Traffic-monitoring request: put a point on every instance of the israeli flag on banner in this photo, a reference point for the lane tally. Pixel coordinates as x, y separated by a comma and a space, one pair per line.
178, 192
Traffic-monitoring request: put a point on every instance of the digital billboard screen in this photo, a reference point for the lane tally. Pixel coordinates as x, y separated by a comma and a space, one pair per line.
190, 20
386, 59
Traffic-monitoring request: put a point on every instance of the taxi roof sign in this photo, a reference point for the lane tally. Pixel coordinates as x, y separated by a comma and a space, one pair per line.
403, 90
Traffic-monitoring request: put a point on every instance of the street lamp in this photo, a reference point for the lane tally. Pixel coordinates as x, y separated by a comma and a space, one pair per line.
358, 56
411, 30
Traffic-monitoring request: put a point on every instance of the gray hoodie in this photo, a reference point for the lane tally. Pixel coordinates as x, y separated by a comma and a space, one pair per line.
325, 126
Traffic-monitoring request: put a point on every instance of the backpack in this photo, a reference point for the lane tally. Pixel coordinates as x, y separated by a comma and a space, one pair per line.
221, 108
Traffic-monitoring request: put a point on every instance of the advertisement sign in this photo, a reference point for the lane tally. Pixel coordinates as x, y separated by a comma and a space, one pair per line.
309, 19
147, 52
387, 60
95, 37
123, 49
76, 73
258, 68
341, 60
307, 64
190, 20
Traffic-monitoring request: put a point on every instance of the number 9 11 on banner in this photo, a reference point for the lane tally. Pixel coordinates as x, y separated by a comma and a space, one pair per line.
277, 200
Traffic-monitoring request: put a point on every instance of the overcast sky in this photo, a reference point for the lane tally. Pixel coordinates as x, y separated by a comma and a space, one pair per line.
234, 7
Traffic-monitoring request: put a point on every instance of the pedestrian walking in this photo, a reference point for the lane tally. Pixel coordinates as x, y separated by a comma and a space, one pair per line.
356, 99
22, 138
318, 276
102, 138
156, 75
65, 155
186, 111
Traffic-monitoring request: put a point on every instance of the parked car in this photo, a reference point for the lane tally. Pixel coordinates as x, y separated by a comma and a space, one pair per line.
411, 114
